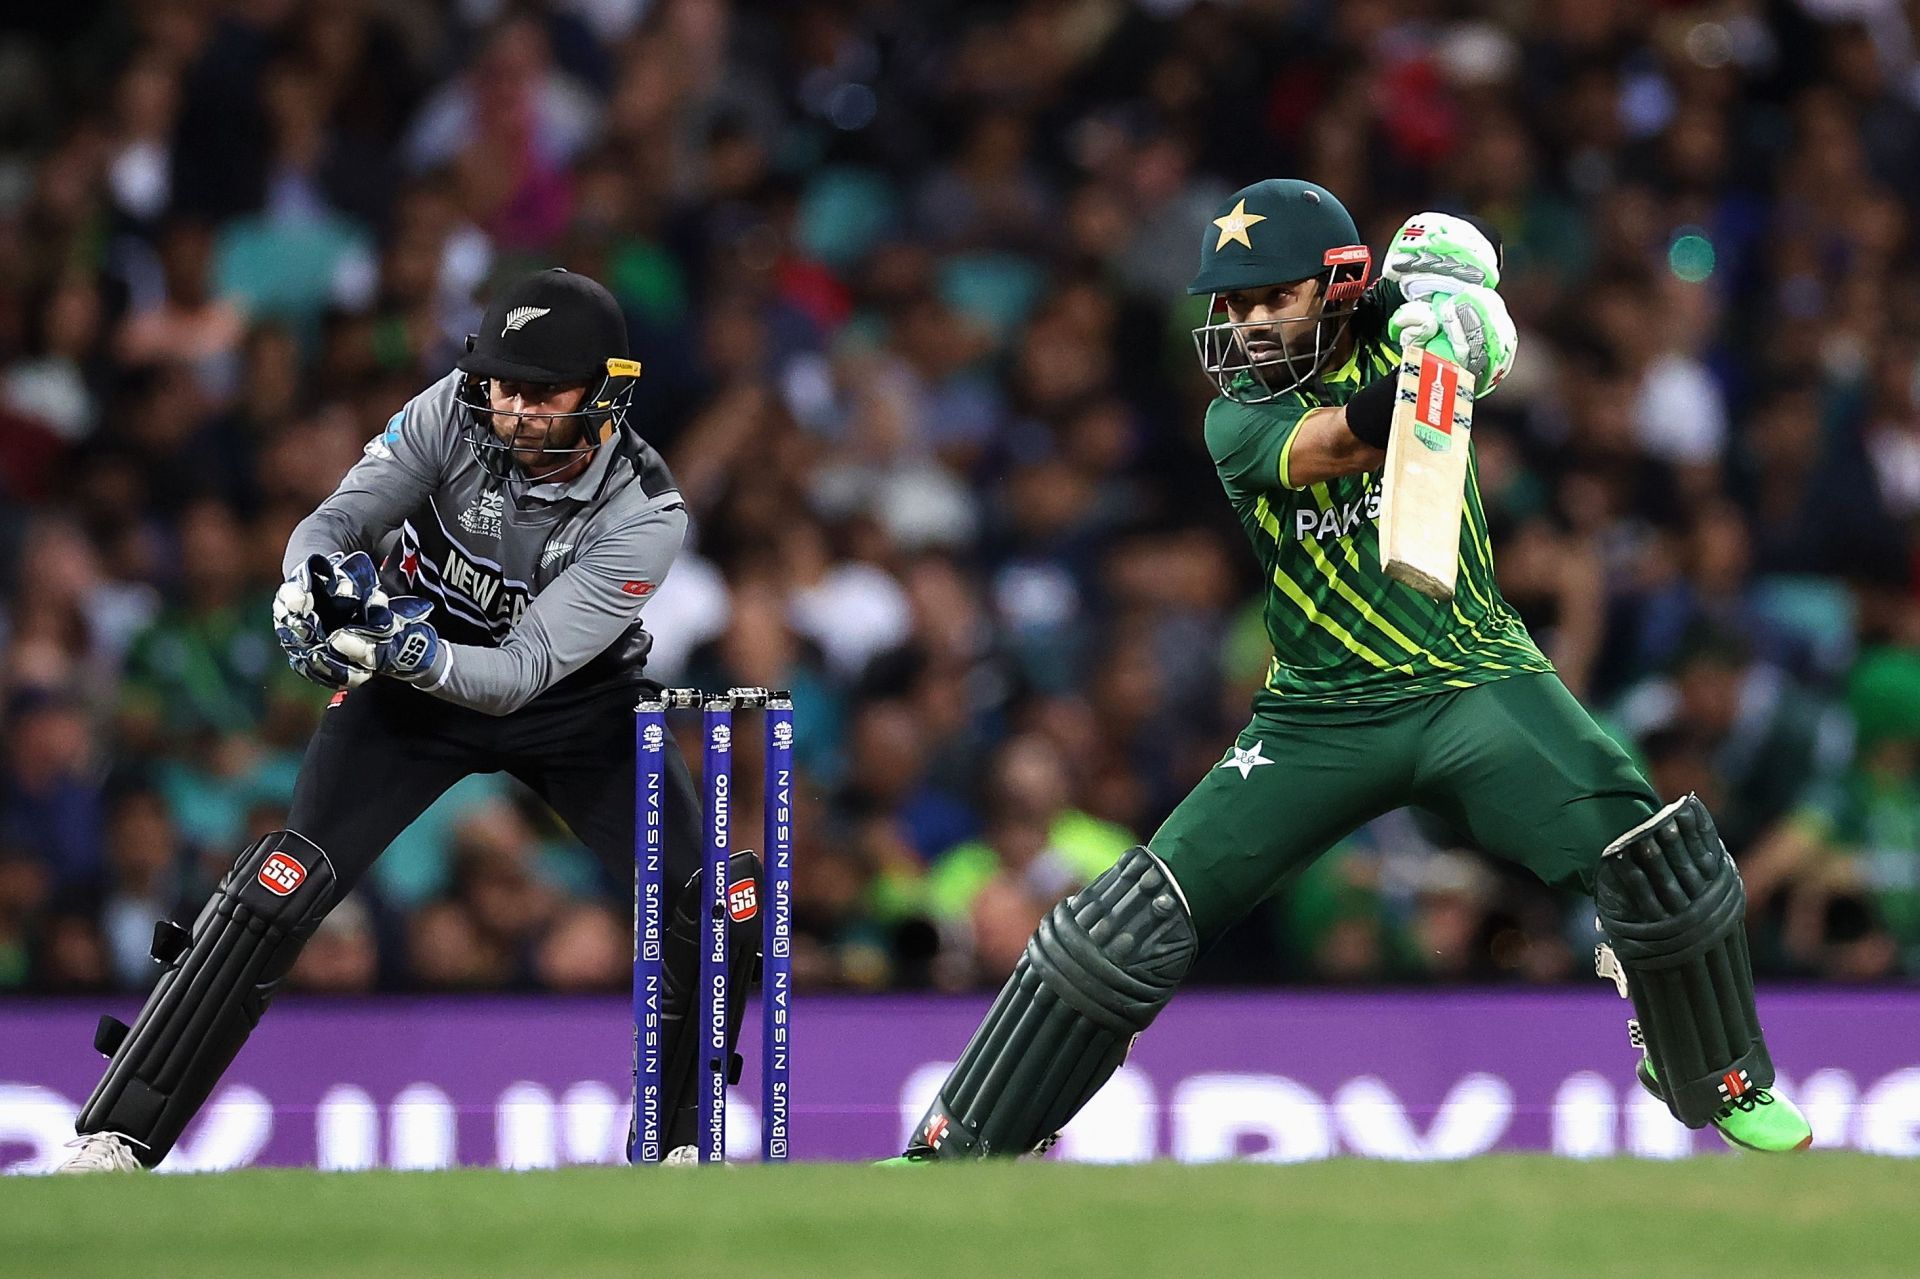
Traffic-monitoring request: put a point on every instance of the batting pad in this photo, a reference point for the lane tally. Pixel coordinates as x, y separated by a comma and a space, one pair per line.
1097, 971
220, 978
1673, 906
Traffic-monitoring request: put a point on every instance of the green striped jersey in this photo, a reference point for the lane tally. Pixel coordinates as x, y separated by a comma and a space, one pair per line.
1342, 631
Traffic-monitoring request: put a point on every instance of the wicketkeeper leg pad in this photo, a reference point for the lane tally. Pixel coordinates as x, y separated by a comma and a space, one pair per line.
681, 1040
1671, 902
219, 979
1095, 974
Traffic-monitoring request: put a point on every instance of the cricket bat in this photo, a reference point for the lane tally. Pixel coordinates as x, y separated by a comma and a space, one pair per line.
1424, 485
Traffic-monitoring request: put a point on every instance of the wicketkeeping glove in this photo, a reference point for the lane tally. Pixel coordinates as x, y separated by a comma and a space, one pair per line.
321, 665
1471, 328
325, 593
1438, 253
395, 640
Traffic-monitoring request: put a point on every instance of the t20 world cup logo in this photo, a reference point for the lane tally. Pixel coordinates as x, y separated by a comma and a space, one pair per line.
783, 735
654, 737
722, 737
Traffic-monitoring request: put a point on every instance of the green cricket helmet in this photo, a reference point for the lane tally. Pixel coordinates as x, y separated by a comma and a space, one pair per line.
1277, 232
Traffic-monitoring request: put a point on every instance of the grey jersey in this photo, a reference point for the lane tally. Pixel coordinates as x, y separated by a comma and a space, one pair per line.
538, 597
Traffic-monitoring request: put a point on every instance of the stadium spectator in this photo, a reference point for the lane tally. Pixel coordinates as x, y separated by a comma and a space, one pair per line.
50, 793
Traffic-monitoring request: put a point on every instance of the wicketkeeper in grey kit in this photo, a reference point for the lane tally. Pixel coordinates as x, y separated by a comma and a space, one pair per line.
473, 589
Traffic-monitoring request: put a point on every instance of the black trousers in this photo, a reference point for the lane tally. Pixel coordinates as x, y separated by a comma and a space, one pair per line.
385, 751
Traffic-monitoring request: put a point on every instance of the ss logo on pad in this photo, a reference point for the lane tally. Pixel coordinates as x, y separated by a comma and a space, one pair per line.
281, 874
743, 903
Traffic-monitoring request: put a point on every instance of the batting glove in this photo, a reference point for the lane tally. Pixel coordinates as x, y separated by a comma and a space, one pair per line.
1471, 327
396, 640
1438, 253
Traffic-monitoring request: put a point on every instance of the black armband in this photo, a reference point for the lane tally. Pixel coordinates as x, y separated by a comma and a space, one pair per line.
1370, 411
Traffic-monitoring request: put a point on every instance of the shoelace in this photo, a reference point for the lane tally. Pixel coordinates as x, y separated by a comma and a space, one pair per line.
106, 1150
1748, 1101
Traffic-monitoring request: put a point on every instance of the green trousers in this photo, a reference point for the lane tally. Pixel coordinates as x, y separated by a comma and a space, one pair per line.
1517, 765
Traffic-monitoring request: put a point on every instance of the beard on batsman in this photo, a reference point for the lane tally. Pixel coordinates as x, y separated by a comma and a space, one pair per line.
472, 590
1378, 697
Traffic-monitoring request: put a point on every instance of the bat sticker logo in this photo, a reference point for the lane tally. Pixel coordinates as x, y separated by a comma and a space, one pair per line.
1433, 405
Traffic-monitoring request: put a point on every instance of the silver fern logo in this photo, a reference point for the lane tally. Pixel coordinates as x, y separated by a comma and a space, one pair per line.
521, 316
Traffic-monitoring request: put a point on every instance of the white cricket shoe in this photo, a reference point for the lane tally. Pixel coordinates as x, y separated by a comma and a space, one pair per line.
682, 1156
101, 1152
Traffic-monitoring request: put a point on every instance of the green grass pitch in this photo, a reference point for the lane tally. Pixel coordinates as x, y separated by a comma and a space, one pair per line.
1819, 1214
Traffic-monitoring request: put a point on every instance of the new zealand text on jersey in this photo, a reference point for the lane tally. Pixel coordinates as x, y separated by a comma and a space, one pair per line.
483, 587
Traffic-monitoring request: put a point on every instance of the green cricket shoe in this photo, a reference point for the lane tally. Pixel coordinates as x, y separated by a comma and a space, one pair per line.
1759, 1119
922, 1154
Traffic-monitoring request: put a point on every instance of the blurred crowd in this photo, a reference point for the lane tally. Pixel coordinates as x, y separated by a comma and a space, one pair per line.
907, 277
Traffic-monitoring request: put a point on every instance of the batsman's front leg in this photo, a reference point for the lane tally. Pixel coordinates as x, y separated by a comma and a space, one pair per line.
1522, 768
1674, 911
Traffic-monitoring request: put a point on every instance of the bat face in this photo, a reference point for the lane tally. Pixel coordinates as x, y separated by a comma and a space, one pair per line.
1426, 474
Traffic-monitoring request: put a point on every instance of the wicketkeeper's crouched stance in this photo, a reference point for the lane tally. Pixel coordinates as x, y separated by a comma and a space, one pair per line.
514, 504
1378, 697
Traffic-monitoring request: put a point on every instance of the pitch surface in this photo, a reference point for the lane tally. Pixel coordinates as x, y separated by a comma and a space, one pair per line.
1526, 1216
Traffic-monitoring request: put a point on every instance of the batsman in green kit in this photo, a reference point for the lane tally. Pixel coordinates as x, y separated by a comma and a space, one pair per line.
1378, 697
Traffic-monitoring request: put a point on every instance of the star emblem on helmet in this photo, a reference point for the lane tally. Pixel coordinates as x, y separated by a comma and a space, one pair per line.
1233, 227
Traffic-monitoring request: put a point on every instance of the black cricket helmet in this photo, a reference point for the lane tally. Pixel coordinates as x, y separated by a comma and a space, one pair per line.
1279, 231
554, 328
